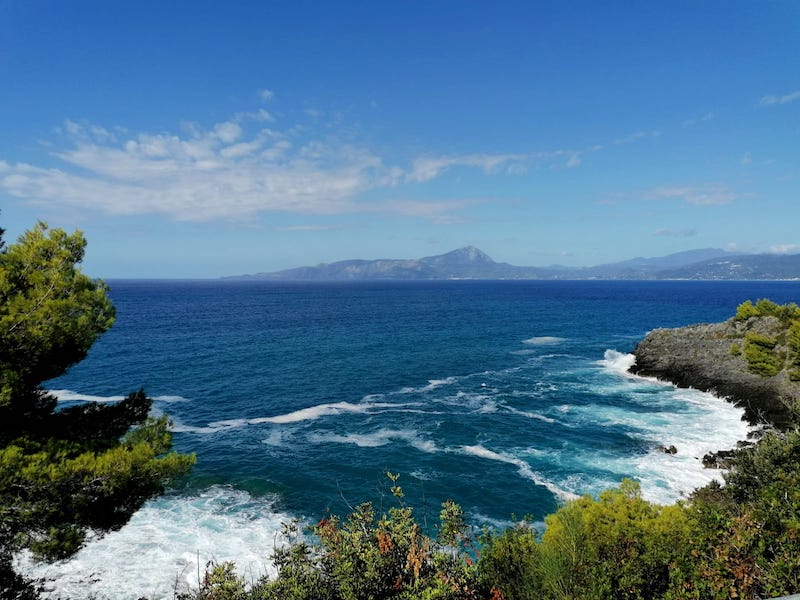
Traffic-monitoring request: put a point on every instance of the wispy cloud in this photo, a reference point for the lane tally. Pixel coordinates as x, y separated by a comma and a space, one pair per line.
266, 95
663, 232
208, 174
247, 165
628, 139
785, 99
692, 122
709, 195
430, 167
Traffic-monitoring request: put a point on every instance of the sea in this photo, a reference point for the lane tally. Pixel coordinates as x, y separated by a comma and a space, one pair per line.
509, 397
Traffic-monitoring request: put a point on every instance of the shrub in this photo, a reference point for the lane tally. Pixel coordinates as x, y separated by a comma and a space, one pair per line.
760, 355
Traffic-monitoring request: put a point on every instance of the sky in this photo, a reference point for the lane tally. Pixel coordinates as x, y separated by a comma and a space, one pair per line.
203, 139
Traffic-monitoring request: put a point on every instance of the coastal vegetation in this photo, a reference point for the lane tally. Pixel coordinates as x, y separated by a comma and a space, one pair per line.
769, 355
85, 468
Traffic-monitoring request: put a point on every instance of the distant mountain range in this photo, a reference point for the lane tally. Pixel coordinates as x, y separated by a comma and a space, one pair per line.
471, 263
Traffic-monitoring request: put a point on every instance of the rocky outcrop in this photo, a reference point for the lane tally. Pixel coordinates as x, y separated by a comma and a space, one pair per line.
701, 357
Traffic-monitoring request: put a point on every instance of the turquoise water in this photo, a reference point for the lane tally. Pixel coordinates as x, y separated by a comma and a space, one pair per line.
509, 397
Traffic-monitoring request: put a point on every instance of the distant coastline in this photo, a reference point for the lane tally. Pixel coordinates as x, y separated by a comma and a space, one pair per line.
468, 263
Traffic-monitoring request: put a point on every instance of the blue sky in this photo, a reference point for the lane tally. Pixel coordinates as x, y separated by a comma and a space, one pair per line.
200, 139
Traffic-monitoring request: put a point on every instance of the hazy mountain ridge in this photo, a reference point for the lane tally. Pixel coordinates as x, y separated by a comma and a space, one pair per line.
471, 263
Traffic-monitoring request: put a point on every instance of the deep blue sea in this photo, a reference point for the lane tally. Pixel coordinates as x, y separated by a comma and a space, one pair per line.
509, 397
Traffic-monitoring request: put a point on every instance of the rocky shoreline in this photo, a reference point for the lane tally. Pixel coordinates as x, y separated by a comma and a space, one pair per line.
701, 357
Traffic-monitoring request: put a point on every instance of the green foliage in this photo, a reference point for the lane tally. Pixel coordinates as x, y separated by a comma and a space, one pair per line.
760, 355
50, 312
219, 583
747, 533
618, 546
64, 472
767, 308
745, 311
768, 356
512, 563
52, 491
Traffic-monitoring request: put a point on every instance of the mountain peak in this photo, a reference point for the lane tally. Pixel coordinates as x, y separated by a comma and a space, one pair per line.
467, 254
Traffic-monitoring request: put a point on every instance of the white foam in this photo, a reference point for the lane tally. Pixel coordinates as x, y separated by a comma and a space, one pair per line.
544, 340
170, 399
166, 545
312, 413
381, 437
523, 468
618, 362
530, 415
70, 396
695, 422
435, 383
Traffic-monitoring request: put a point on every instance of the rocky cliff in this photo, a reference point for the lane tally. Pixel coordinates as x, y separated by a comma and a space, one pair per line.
708, 357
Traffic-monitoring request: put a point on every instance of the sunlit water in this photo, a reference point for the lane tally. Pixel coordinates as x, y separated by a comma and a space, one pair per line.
510, 397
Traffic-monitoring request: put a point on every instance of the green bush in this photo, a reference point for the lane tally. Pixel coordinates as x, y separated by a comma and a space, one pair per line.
745, 311
366, 556
511, 562
617, 547
761, 357
767, 308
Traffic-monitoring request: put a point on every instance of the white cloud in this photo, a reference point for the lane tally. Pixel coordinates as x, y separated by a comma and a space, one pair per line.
786, 99
784, 249
692, 122
430, 167
237, 168
664, 232
259, 115
228, 132
710, 195
212, 174
266, 95
633, 138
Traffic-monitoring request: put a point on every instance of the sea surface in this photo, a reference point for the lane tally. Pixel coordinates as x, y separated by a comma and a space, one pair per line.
509, 397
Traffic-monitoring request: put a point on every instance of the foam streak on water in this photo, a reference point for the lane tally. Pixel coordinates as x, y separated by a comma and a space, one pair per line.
523, 467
